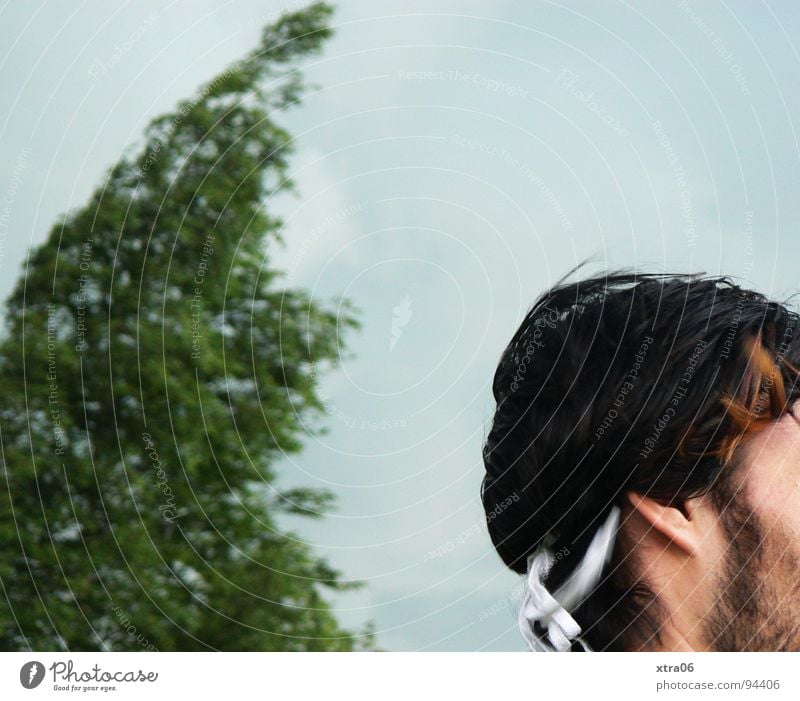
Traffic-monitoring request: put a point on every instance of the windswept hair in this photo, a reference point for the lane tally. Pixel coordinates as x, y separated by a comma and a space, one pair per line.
627, 381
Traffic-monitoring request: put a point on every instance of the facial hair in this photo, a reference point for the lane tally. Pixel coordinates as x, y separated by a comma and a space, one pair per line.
757, 609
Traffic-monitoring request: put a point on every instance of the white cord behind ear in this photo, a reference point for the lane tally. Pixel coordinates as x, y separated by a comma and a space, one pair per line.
551, 611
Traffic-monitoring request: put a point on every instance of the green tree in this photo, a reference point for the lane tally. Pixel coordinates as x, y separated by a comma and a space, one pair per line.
153, 370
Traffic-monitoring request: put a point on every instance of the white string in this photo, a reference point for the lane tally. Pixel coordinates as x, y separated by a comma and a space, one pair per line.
551, 611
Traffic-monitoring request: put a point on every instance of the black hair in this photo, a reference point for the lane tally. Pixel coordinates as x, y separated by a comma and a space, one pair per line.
627, 381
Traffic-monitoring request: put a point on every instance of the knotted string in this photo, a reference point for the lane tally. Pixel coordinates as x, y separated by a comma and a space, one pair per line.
542, 610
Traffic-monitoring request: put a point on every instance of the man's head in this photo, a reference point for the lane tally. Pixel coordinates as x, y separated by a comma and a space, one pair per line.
670, 396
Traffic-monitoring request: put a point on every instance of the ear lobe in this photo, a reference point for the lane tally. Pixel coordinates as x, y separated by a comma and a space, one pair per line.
674, 523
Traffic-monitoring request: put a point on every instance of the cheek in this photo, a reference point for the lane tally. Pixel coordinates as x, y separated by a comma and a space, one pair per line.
775, 496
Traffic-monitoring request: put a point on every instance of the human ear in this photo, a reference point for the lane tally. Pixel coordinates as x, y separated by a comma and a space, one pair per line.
676, 524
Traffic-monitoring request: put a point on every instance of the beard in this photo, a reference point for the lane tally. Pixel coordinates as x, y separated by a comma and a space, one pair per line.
757, 609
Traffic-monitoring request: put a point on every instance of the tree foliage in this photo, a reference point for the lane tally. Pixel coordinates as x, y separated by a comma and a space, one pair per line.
153, 370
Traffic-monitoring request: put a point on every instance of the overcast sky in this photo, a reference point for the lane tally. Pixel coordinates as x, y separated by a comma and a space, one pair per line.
458, 158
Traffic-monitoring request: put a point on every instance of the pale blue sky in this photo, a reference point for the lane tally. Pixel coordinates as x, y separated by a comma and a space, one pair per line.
459, 158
